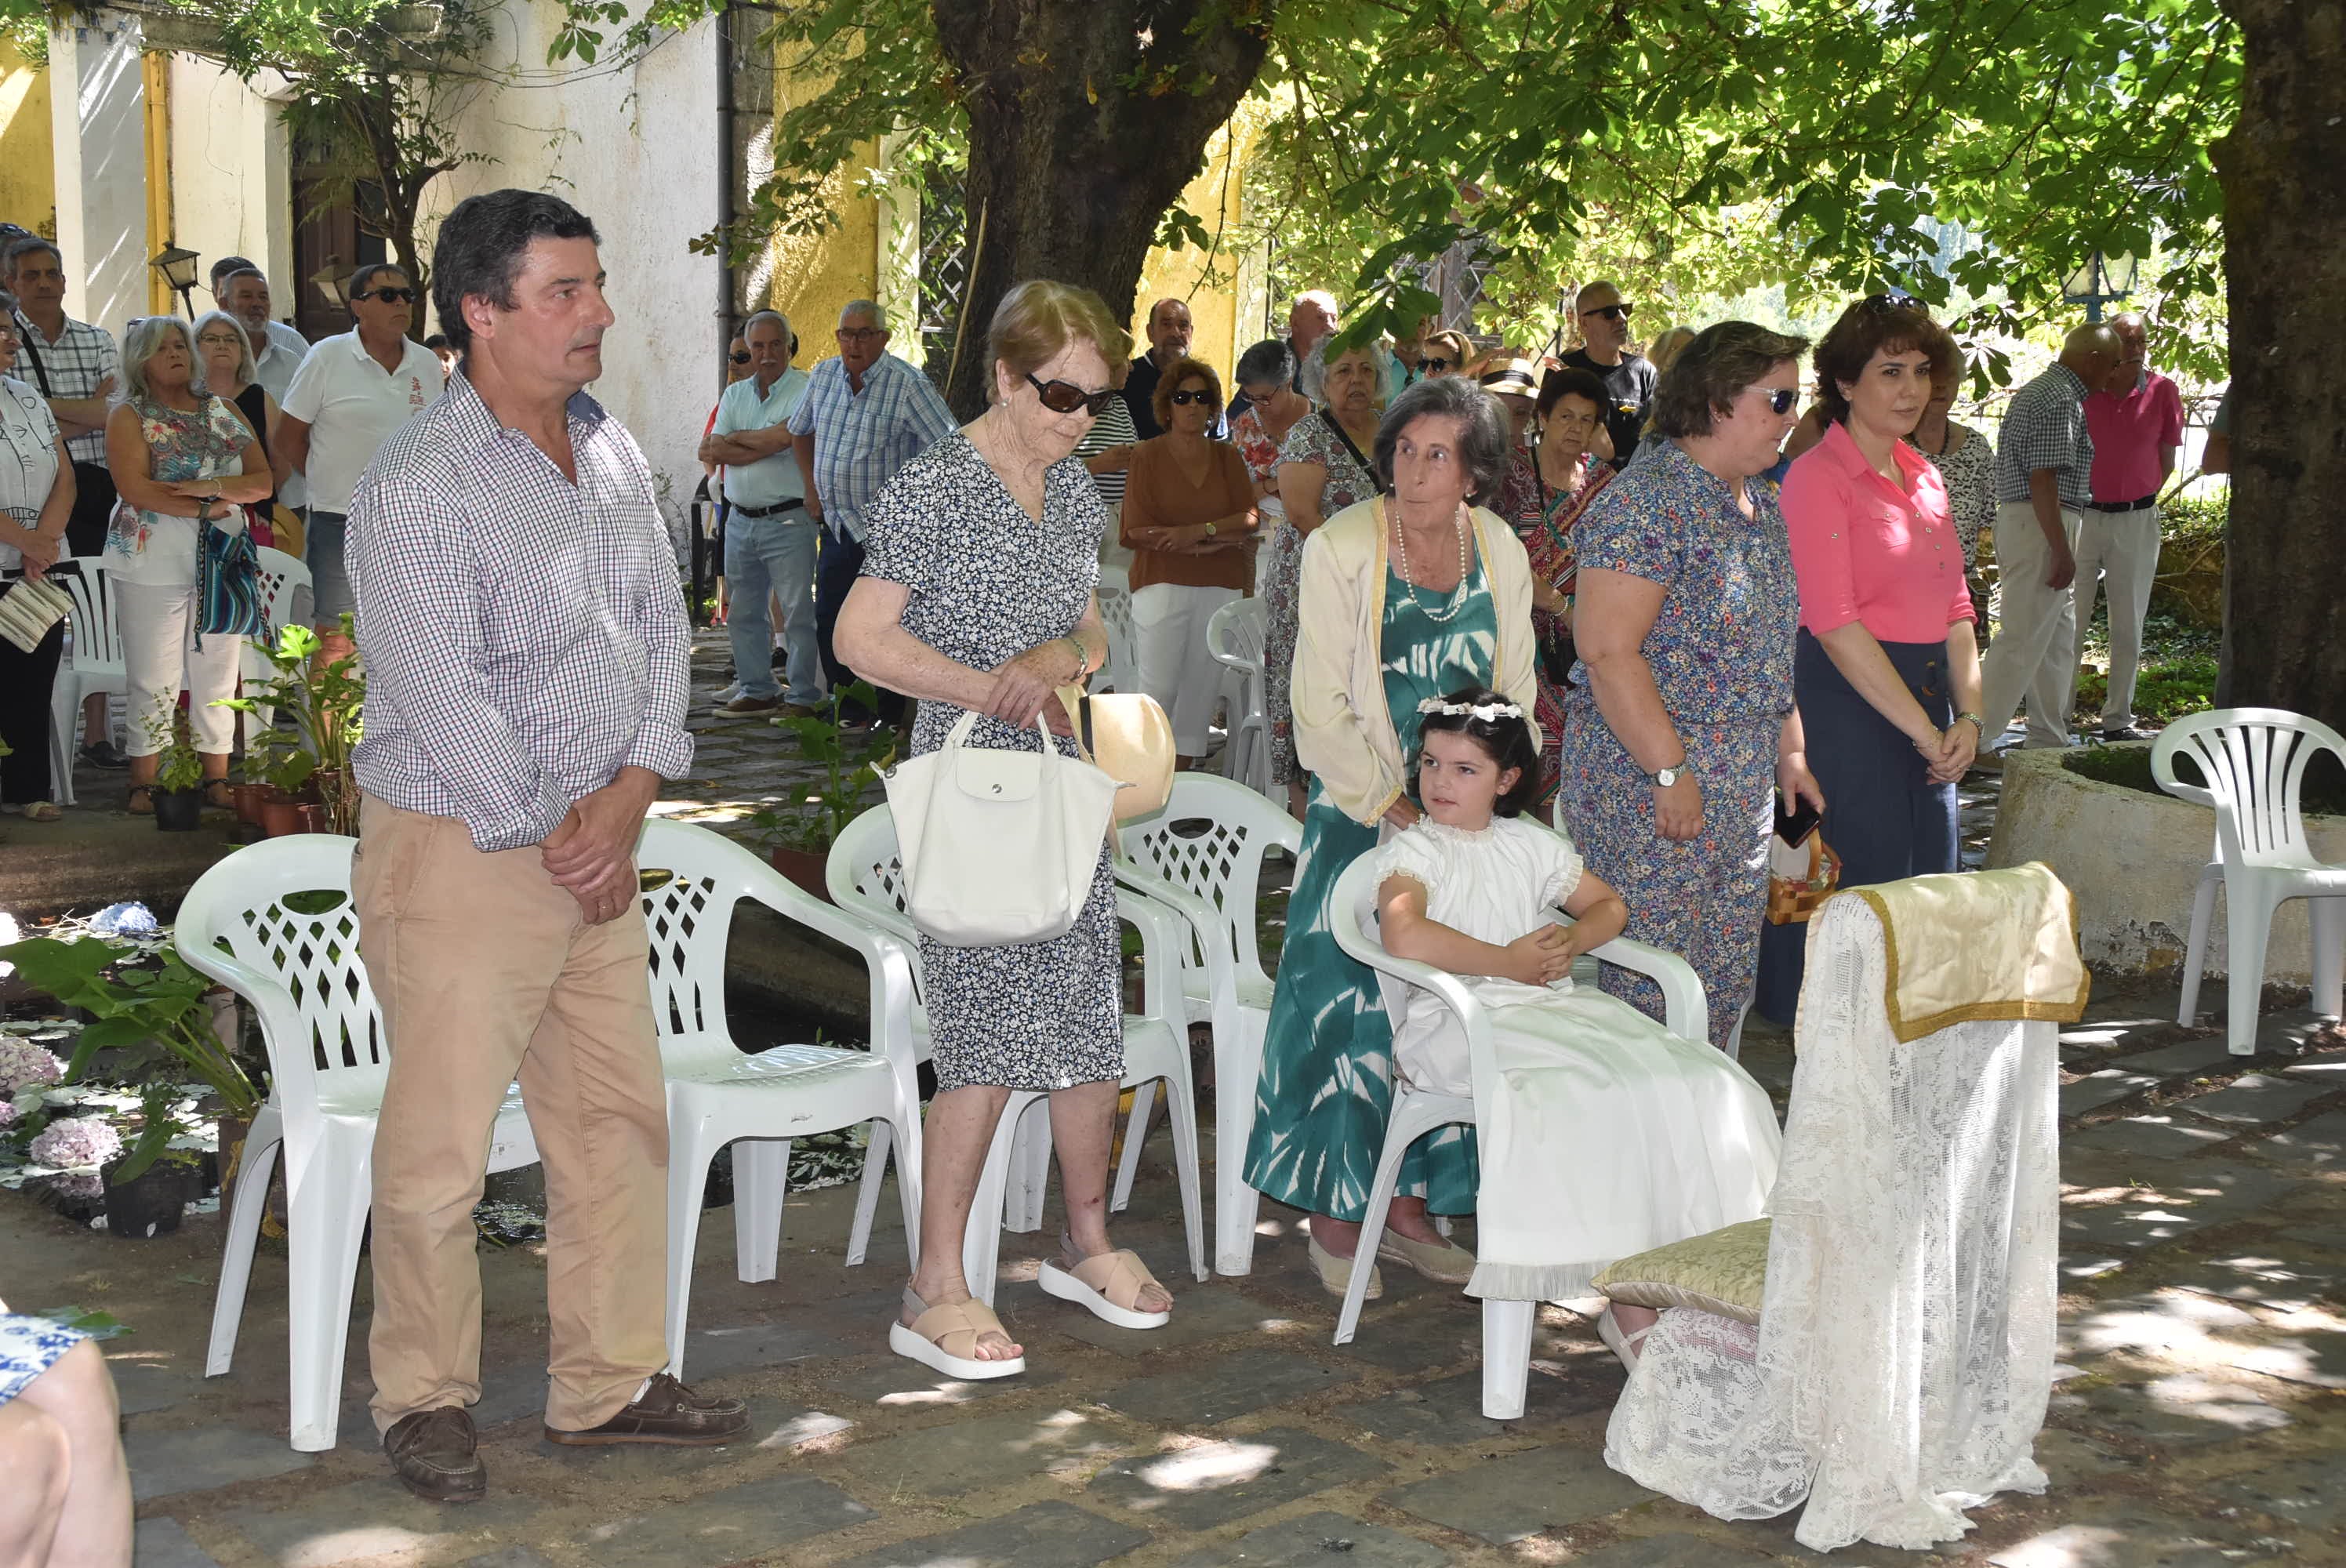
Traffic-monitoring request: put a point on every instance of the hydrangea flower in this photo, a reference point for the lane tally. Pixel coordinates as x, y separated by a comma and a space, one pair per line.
7, 1112
82, 1184
25, 1065
77, 1143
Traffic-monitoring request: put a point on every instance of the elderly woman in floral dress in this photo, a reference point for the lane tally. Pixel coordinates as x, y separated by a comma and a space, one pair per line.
1272, 408
1323, 467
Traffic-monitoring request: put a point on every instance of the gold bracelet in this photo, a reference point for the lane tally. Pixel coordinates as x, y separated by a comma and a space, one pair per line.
1083, 656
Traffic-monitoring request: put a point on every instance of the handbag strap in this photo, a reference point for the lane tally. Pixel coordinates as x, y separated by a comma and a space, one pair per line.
1331, 420
30, 341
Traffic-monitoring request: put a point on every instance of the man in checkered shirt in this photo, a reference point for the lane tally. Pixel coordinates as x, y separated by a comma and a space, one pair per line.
865, 415
2043, 458
526, 645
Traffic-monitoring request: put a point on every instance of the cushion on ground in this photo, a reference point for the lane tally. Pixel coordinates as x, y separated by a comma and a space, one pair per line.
1724, 1272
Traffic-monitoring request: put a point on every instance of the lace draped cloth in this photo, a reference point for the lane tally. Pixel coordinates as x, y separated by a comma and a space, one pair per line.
1904, 1354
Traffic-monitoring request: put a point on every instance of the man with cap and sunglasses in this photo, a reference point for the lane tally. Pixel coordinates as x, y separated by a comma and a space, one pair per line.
1629, 378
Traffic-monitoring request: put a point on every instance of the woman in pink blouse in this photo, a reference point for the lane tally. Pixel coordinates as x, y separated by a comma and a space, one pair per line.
1887, 673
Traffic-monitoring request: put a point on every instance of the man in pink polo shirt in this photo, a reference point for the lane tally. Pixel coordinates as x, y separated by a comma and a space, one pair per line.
2135, 433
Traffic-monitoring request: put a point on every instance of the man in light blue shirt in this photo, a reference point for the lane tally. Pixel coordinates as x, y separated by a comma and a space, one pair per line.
769, 539
865, 415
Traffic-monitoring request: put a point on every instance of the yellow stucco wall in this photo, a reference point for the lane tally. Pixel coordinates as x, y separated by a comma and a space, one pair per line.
1207, 281
28, 193
809, 277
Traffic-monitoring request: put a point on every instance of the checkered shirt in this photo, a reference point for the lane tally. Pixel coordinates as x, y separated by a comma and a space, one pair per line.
2045, 427
525, 639
860, 439
70, 368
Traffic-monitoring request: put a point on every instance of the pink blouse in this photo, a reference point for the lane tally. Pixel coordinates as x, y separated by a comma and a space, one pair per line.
1865, 550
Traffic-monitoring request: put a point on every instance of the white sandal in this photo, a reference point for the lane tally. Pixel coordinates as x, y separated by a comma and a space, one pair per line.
1099, 1281
1623, 1346
932, 1329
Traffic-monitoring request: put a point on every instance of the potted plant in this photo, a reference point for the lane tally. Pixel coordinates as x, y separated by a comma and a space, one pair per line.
143, 998
148, 1190
798, 833
327, 700
178, 789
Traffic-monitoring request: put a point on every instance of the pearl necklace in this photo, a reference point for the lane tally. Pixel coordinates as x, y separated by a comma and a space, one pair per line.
1458, 601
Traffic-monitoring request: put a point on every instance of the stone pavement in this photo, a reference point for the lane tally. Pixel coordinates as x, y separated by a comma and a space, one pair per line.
2198, 1420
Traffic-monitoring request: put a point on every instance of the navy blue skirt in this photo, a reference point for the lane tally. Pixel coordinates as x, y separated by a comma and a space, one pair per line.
1884, 817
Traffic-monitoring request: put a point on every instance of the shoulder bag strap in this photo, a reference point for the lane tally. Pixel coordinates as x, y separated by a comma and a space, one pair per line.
1330, 421
31, 341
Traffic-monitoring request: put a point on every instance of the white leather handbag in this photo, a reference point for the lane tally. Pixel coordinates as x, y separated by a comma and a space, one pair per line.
998, 847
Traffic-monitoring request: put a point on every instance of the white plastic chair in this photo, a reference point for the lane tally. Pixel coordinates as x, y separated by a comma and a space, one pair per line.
280, 574
718, 1094
1234, 635
1121, 672
94, 665
1353, 917
1203, 855
865, 879
328, 1062
2252, 760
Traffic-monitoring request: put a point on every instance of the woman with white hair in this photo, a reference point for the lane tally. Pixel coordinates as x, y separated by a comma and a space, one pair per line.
225, 368
181, 457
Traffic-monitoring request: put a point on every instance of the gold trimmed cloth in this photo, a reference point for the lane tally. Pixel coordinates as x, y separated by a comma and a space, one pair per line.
1979, 944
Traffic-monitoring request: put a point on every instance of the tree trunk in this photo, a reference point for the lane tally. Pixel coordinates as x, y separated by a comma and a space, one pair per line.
1081, 137
2283, 170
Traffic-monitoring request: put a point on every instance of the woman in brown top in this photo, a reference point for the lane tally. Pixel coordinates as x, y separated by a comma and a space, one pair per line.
1188, 517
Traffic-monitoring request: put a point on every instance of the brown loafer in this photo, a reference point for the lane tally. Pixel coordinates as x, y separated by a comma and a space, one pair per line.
669, 1413
432, 1452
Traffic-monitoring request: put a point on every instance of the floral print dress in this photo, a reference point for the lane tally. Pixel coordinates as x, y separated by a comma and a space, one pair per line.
1545, 529
1314, 438
29, 1346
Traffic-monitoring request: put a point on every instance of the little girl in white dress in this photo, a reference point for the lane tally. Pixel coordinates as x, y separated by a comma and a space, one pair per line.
1604, 1134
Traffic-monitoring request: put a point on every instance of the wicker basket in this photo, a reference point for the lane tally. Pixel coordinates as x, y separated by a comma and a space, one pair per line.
1794, 893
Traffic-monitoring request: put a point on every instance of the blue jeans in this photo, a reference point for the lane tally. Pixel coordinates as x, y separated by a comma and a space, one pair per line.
777, 554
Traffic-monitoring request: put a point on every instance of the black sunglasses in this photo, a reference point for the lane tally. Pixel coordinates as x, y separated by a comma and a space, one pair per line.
1620, 312
1779, 398
1431, 367
739, 359
1892, 300
1065, 397
388, 296
1178, 397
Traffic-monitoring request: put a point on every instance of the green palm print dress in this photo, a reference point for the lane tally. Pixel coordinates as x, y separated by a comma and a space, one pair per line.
1326, 1089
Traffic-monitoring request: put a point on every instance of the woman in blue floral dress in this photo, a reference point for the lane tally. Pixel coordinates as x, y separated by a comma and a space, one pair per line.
1682, 703
1405, 597
68, 1495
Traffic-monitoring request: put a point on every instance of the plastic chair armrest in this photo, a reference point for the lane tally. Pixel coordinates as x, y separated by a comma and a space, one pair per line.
282, 1028
1685, 1012
1160, 950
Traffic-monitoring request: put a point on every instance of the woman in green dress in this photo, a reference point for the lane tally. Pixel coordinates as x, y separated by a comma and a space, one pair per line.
1406, 595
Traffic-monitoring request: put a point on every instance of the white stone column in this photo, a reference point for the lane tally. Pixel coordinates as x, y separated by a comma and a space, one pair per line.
98, 116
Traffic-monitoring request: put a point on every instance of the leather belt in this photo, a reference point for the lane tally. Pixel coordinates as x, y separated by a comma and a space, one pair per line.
2145, 504
793, 503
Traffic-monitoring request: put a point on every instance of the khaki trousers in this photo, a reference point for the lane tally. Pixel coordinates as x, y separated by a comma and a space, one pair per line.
2122, 548
2035, 648
485, 971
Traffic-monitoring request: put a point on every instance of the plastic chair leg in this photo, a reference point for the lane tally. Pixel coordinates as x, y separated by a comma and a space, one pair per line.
328, 1213
761, 1180
1135, 1133
981, 1243
867, 1191
2248, 925
2194, 951
1398, 1137
246, 1204
1506, 1357
2328, 917
1735, 1039
688, 1178
1236, 1204
908, 1178
1181, 1109
1028, 1176
65, 705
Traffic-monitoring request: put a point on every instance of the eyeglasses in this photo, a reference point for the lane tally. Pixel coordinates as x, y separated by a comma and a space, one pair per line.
1179, 397
741, 357
214, 341
388, 296
1780, 400
1065, 397
1891, 300
857, 334
1260, 399
1431, 367
1620, 312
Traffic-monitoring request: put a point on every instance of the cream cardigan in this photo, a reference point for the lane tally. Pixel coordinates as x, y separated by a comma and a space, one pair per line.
1343, 731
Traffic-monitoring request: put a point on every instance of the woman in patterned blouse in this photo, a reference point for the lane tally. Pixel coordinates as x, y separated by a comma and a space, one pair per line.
1681, 710
1273, 406
1967, 462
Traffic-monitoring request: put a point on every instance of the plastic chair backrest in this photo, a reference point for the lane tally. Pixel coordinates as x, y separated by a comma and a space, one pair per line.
688, 918
1357, 927
1234, 637
97, 639
280, 574
865, 874
282, 911
1121, 670
2252, 762
1209, 839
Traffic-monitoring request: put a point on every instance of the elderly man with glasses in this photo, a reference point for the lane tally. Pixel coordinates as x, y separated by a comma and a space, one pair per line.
1629, 378
864, 416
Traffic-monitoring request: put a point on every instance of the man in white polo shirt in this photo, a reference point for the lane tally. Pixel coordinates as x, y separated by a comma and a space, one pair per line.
769, 540
351, 392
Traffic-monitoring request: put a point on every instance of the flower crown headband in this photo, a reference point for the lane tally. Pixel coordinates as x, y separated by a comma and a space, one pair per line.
1488, 712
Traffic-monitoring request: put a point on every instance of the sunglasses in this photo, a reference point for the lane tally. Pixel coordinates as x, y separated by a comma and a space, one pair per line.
1433, 367
388, 296
1179, 397
1620, 312
1892, 299
1065, 397
740, 358
1780, 400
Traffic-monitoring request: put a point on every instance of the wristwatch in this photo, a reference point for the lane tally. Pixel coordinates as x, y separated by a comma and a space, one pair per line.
1209, 528
1978, 724
1667, 777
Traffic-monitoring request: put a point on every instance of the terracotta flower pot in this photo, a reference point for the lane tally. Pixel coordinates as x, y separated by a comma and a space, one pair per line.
803, 867
314, 818
249, 798
280, 816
